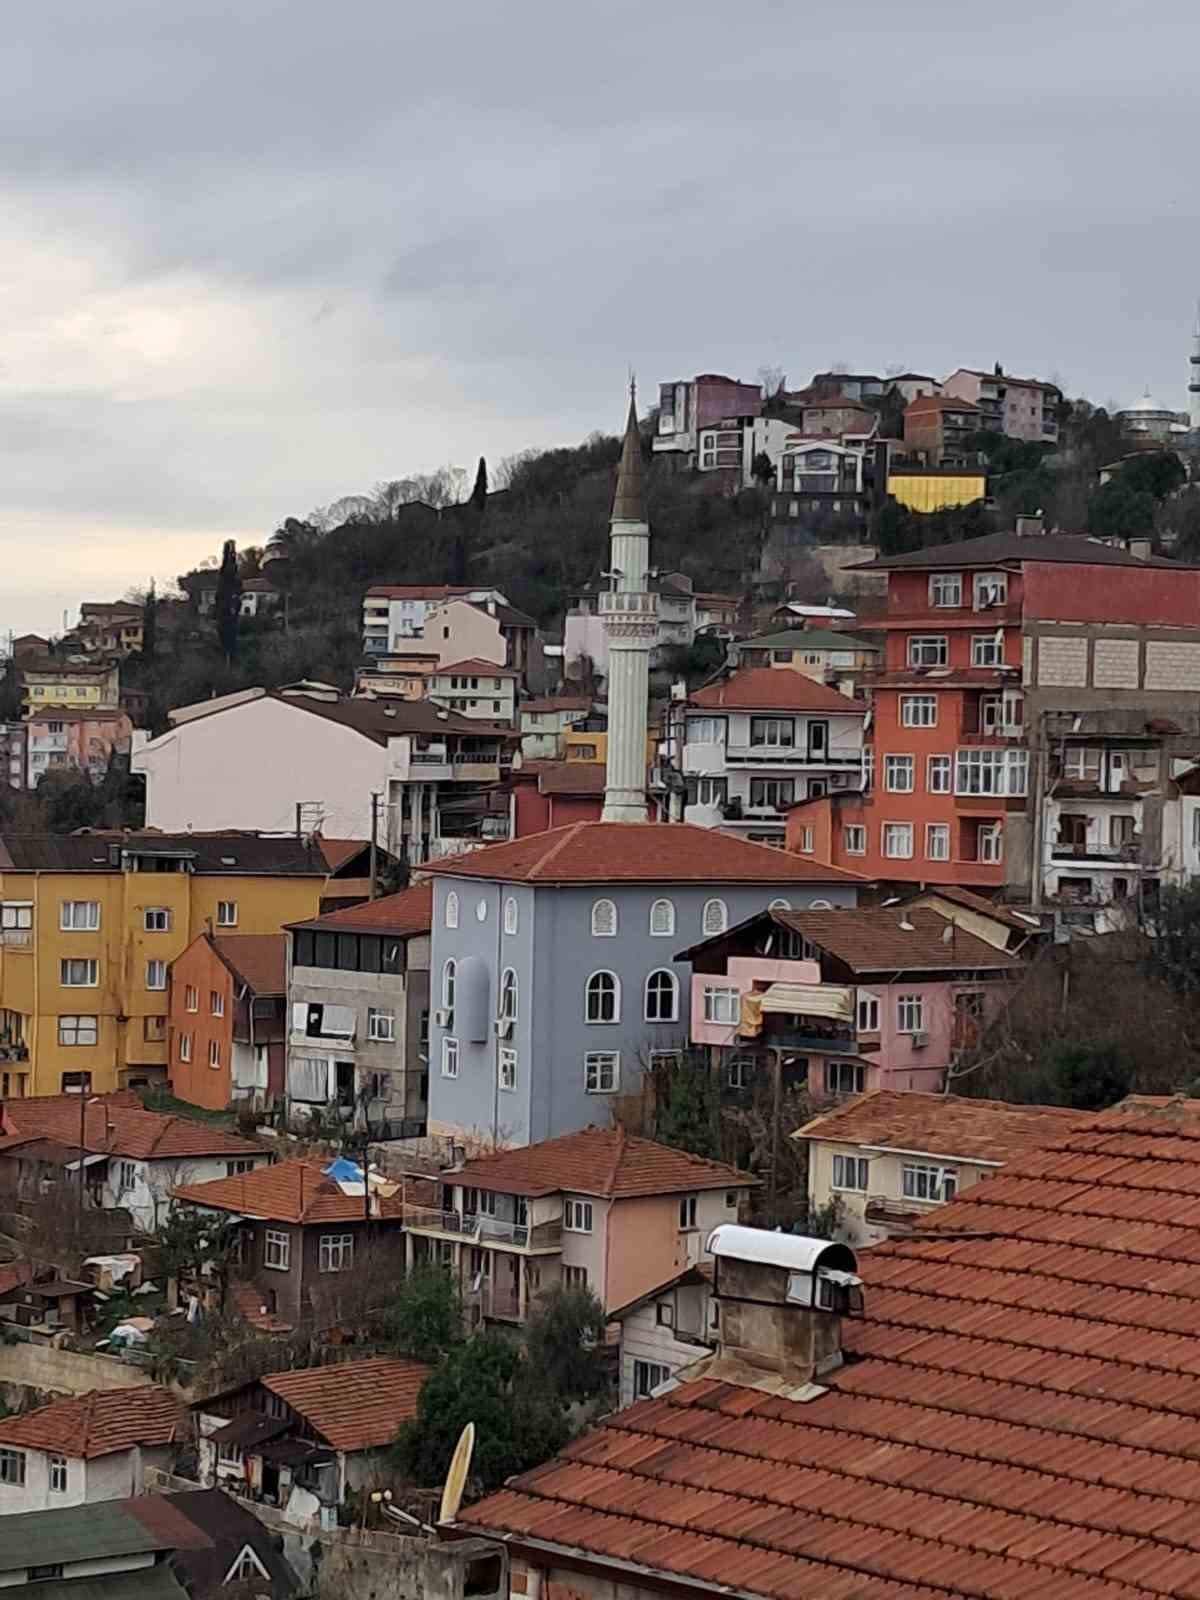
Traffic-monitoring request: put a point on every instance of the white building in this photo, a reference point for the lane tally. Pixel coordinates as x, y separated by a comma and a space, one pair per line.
394, 614
88, 1447
475, 688
732, 446
666, 1330
585, 634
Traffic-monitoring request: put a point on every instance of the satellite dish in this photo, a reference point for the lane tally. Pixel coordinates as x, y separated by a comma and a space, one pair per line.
456, 1477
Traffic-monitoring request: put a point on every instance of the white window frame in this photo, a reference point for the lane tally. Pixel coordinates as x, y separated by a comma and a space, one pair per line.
577, 1215
277, 1250
854, 838
185, 1047
449, 1056
918, 710
335, 1252
937, 841
945, 590
12, 1467
851, 1174
156, 969
214, 1054
899, 774
449, 984
722, 1004
867, 1012
216, 1003
156, 919
688, 1212
79, 916
924, 1181
16, 916
987, 650
835, 1071
57, 1467
602, 1071
662, 919
671, 990
910, 1013
452, 909
981, 769
595, 992
91, 970
777, 733
714, 919
989, 580
506, 1069
928, 650
83, 1023
227, 913
648, 1376
804, 841
604, 918
381, 1024
939, 774
511, 915
900, 829
989, 843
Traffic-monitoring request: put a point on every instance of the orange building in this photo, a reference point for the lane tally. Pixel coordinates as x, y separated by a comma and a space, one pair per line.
227, 1019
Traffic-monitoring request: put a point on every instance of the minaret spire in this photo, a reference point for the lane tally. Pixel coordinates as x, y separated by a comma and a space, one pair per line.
629, 613
1194, 377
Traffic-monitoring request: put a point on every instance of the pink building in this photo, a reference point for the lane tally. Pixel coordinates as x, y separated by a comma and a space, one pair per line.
687, 406
841, 1002
86, 739
1021, 408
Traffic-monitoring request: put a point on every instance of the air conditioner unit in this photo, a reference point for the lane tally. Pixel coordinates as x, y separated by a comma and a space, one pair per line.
503, 1027
919, 1041
443, 1019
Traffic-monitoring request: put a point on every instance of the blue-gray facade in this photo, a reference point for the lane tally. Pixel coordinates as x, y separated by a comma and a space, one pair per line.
543, 936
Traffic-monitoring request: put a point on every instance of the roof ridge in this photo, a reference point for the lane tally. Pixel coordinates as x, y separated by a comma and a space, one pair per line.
568, 837
617, 1157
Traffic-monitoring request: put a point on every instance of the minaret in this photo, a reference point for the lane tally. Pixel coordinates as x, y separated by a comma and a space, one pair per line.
629, 613
1194, 384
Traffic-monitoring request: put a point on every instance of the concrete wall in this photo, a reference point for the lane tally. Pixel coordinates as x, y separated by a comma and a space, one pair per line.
60, 1372
406, 994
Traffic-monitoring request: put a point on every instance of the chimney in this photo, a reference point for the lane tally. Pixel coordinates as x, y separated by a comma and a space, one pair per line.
1031, 527
782, 1298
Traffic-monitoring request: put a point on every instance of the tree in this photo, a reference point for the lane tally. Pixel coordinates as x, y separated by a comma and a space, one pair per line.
518, 1423
563, 1338
188, 1238
479, 493
1156, 472
686, 1105
1173, 955
149, 623
1092, 1077
1116, 510
762, 470
229, 601
426, 1318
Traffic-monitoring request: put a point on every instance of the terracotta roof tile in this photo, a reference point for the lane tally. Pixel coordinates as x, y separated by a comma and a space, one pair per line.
600, 1161
338, 851
404, 914
1019, 1414
637, 852
258, 959
474, 664
89, 1425
353, 1405
289, 1191
773, 689
120, 1125
983, 1130
874, 939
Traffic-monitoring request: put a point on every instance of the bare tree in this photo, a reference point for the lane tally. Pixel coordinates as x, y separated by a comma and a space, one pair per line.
773, 380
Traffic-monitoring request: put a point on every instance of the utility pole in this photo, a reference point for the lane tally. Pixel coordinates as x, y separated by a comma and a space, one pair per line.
375, 798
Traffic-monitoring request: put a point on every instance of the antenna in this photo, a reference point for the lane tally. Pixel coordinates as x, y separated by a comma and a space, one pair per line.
456, 1475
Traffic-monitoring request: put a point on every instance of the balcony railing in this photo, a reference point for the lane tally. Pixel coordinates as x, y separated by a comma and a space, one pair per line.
16, 938
477, 1229
627, 602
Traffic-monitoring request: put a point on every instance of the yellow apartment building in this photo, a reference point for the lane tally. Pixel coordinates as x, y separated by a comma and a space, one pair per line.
89, 925
47, 682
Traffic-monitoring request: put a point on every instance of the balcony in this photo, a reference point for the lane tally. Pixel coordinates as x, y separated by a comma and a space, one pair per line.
633, 605
540, 1238
1124, 855
795, 757
16, 938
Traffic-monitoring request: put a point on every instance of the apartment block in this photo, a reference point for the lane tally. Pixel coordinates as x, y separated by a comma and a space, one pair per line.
1021, 408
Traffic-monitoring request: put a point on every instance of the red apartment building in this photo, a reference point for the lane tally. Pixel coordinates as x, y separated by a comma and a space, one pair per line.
984, 638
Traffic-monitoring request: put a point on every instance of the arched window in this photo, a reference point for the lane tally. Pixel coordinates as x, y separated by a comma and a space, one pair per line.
662, 917
452, 909
716, 917
820, 905
449, 972
780, 905
508, 995
604, 919
603, 998
510, 915
662, 996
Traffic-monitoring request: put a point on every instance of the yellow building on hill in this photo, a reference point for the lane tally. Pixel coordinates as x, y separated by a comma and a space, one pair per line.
47, 682
936, 488
89, 925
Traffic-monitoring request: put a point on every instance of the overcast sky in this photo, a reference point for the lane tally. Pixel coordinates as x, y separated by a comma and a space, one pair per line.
260, 255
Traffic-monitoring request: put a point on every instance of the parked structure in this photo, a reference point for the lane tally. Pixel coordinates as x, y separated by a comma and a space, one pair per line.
226, 1027
840, 1002
92, 921
599, 1208
358, 999
838, 660
85, 1448
85, 741
887, 1159
1021, 408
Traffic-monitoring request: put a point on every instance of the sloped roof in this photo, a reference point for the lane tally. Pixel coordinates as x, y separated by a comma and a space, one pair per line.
971, 901
1019, 1415
943, 1124
89, 1425
419, 591
120, 1125
558, 702
872, 939
230, 854
768, 689
805, 639
994, 548
938, 402
337, 852
607, 1162
381, 720
223, 1528
477, 665
572, 777
354, 1405
258, 959
629, 500
289, 1191
636, 852
409, 912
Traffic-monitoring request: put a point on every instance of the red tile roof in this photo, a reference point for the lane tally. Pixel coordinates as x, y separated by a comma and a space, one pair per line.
607, 1162
1019, 1414
971, 901
976, 1130
289, 1191
895, 939
572, 777
559, 702
115, 1126
353, 1405
258, 959
417, 591
409, 912
338, 851
637, 852
476, 665
773, 689
89, 1425
939, 402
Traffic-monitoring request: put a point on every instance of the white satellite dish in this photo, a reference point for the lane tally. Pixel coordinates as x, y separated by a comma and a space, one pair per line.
456, 1476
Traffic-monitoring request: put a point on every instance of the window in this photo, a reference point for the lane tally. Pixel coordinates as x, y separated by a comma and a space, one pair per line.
662, 918
845, 1077
937, 841
850, 1173
227, 913
12, 1467
910, 1013
74, 974
214, 1053
277, 1250
507, 1067
216, 1002
156, 919
772, 794
868, 1012
868, 766
664, 1314
191, 998
927, 650
991, 843
79, 916
335, 1252
987, 649
854, 839
991, 589
575, 1277
16, 914
739, 1071
601, 1071
938, 774
777, 732
58, 1474
1001, 772
945, 589
510, 915
898, 840
662, 997
647, 1375
78, 1030
898, 774
602, 1000
715, 916
449, 972
381, 1025
918, 710
156, 974
804, 841
127, 1176
779, 905
604, 919
234, 1169
705, 730
452, 909
687, 1211
928, 1183
577, 1216
722, 1005
449, 1057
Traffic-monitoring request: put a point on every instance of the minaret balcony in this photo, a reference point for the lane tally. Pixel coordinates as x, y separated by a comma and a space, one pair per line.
628, 604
